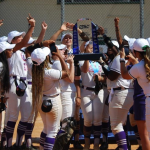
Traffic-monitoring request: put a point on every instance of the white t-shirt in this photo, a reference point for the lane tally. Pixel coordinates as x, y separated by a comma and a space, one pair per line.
51, 79
119, 82
64, 85
87, 78
138, 72
17, 64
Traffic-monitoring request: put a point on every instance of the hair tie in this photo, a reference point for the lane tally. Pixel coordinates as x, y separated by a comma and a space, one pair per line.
145, 48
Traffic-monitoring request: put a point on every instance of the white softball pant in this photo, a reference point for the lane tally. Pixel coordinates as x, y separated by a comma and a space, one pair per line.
51, 120
105, 117
16, 104
121, 102
2, 117
68, 104
148, 115
32, 115
92, 107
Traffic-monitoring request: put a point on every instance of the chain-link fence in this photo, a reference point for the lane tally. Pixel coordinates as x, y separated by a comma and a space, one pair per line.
102, 12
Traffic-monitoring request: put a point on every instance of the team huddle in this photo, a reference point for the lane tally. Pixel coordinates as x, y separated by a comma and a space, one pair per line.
38, 76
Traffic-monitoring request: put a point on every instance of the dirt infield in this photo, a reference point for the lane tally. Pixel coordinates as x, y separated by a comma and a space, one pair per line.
38, 128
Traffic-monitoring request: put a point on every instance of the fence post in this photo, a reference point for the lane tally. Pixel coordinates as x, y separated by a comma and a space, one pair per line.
141, 19
62, 11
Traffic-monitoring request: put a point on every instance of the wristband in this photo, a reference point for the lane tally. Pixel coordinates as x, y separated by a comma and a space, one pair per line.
122, 60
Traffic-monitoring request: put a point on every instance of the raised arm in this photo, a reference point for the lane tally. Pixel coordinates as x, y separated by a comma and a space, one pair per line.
26, 38
118, 34
70, 60
124, 71
65, 70
62, 28
42, 33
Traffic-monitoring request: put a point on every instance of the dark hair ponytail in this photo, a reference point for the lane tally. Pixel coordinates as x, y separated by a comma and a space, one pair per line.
5, 79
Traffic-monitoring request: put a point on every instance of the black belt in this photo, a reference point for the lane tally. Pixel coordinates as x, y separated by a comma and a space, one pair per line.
29, 82
88, 88
51, 96
120, 88
23, 78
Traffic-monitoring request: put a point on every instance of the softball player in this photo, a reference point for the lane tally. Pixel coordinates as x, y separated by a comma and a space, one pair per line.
66, 39
6, 51
49, 82
28, 143
140, 71
2, 114
68, 90
91, 104
120, 97
18, 72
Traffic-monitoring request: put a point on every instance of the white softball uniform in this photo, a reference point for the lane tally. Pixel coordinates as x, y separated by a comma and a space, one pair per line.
91, 104
68, 93
138, 72
18, 68
121, 100
51, 120
29, 84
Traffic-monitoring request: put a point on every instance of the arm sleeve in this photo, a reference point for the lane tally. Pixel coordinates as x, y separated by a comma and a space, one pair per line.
116, 65
134, 72
29, 65
53, 74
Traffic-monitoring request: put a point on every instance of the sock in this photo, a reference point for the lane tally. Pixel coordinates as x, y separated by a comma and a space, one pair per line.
28, 133
105, 130
121, 140
42, 139
87, 134
127, 137
49, 143
97, 133
76, 131
3, 139
135, 128
20, 132
9, 132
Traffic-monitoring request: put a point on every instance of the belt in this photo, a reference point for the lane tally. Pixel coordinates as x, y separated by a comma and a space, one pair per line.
29, 82
51, 96
23, 78
88, 88
121, 88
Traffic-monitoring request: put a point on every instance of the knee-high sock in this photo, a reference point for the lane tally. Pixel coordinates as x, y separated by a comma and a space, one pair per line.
3, 139
87, 134
135, 128
121, 140
42, 139
49, 143
9, 132
97, 133
127, 137
20, 132
28, 133
105, 130
76, 131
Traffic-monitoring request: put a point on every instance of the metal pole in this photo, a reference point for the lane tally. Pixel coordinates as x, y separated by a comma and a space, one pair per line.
62, 11
141, 19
